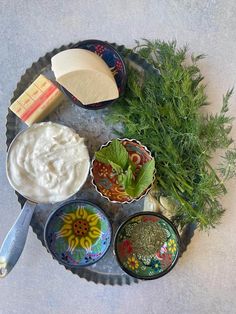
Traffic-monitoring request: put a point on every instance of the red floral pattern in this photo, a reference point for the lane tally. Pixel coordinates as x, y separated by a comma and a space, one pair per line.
125, 248
119, 65
99, 49
150, 218
165, 258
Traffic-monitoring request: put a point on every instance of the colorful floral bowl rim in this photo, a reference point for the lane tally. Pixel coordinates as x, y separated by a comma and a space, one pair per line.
103, 104
134, 199
51, 216
130, 272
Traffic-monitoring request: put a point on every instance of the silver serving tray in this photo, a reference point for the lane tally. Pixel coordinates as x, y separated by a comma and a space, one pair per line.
89, 124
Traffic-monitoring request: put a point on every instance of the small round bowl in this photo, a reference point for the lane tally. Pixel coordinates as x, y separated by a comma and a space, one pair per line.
77, 234
147, 245
116, 64
105, 180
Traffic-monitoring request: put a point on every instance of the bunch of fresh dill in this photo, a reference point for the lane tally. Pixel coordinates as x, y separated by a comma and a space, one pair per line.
162, 111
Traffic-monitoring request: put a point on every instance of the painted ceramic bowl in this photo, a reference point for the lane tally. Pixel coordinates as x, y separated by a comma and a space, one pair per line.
78, 234
116, 64
147, 245
105, 180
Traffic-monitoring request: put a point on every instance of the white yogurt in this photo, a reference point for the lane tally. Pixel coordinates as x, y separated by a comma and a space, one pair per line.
48, 163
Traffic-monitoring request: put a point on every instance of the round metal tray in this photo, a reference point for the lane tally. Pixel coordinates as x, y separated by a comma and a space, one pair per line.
90, 125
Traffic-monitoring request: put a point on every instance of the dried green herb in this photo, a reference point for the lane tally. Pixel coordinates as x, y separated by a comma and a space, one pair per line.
147, 238
162, 111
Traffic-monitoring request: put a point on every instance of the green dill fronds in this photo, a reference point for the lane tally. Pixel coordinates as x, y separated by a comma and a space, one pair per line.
228, 166
162, 111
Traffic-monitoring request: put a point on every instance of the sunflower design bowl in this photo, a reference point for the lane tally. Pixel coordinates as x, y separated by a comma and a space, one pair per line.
78, 233
105, 180
147, 245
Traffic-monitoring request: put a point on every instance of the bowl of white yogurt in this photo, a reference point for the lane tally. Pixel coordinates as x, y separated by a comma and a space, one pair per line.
47, 163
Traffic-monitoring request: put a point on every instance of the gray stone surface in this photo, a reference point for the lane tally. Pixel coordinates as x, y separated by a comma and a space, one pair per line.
204, 280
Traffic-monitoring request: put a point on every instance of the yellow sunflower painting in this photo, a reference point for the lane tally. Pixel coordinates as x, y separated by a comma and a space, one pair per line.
172, 246
132, 263
81, 229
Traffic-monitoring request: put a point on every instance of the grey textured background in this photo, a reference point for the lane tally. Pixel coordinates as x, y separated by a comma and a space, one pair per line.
204, 280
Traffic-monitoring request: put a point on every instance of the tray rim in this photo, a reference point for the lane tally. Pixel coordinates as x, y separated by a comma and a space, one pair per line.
85, 273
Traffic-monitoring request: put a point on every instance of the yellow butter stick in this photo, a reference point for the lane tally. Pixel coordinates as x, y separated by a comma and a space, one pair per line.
37, 101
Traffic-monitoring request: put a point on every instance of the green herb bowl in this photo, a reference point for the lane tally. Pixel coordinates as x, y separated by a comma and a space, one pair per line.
147, 245
105, 180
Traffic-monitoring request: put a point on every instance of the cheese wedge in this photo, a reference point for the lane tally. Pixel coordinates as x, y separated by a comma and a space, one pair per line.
85, 75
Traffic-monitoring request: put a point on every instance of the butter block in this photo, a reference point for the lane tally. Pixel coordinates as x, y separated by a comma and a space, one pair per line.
85, 75
37, 101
